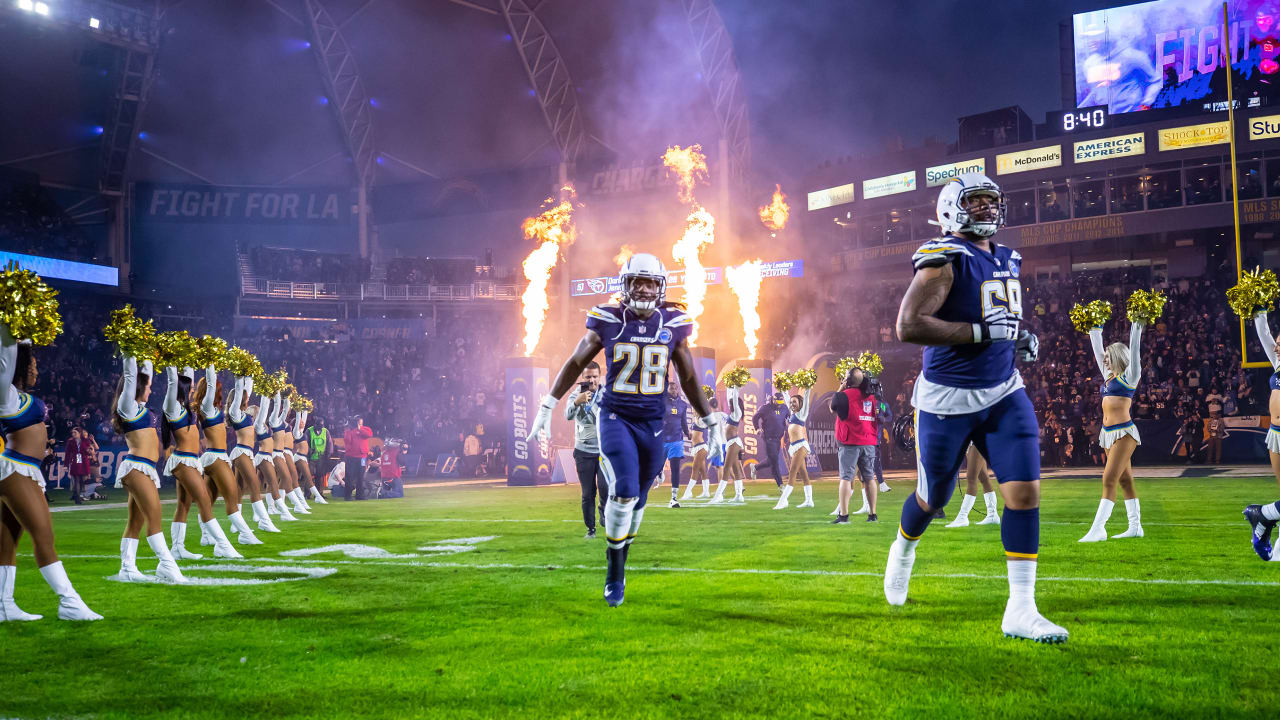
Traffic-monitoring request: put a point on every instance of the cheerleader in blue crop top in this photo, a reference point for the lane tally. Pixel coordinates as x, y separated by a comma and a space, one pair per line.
178, 433
22, 502
216, 464
732, 470
242, 455
1121, 369
798, 451
283, 458
137, 473
1264, 517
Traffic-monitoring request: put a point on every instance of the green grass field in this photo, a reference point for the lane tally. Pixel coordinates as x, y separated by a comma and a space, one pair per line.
736, 611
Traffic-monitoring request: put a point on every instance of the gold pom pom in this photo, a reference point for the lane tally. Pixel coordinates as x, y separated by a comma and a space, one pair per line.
1256, 291
1091, 315
870, 363
175, 349
805, 379
242, 363
133, 336
303, 404
782, 381
1145, 306
211, 351
737, 377
844, 367
28, 306
708, 391
271, 383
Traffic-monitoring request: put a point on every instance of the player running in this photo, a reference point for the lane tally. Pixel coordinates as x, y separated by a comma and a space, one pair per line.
640, 336
964, 305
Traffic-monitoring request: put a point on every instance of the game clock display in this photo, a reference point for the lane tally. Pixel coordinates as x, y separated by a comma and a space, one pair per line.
1079, 120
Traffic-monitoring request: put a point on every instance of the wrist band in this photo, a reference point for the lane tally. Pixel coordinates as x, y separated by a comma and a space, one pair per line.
978, 332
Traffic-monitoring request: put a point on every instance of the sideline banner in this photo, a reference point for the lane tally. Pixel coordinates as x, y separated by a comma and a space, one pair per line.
528, 461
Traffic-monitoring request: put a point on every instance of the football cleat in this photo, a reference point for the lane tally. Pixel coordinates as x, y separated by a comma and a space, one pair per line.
1261, 542
673, 504
591, 534
613, 593
1029, 624
884, 487
897, 574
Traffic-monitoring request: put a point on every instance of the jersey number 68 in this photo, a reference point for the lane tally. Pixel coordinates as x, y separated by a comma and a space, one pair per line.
1007, 292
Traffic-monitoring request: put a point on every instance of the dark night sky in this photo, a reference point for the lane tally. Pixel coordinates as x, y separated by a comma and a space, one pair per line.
827, 78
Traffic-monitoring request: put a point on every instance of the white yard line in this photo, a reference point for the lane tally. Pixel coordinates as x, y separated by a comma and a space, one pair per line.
729, 571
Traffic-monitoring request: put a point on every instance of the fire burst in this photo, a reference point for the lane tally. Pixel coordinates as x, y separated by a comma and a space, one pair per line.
689, 166
553, 229
744, 280
623, 255
699, 230
775, 214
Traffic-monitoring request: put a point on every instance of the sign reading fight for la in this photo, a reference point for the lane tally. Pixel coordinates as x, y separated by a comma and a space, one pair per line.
243, 205
528, 461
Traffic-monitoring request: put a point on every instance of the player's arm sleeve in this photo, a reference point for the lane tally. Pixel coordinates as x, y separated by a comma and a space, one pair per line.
937, 253
1263, 328
210, 389
1133, 373
1095, 339
8, 366
237, 395
264, 409
804, 409
172, 409
840, 405
127, 403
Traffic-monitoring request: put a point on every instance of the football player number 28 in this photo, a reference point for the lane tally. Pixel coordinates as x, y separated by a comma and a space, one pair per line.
651, 360
1004, 292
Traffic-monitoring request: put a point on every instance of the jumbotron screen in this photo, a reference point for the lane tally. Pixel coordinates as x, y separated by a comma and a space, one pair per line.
1169, 53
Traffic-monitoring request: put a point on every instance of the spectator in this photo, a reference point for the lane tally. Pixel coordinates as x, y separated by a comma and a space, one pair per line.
391, 470
80, 455
473, 453
356, 453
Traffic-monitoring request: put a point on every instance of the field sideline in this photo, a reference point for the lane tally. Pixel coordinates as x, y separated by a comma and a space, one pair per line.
482, 601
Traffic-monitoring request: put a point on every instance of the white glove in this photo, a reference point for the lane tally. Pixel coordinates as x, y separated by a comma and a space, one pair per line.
715, 437
1028, 346
998, 325
542, 423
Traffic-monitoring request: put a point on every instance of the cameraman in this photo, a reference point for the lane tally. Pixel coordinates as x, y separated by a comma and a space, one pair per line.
581, 410
855, 410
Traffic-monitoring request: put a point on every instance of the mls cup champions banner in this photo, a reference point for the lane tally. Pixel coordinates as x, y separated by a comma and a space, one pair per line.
528, 461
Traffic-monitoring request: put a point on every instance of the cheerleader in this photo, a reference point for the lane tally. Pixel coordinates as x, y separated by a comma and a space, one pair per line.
283, 458
137, 473
178, 432
976, 473
732, 470
698, 470
300, 460
798, 450
242, 457
1121, 369
1263, 518
262, 459
217, 466
22, 503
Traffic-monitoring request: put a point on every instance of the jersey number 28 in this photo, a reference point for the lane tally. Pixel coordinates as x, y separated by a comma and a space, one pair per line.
1006, 292
652, 362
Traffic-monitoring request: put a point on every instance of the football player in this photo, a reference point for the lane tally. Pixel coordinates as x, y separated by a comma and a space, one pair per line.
964, 305
640, 336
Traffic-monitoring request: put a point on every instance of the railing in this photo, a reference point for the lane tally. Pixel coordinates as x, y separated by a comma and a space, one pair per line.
379, 291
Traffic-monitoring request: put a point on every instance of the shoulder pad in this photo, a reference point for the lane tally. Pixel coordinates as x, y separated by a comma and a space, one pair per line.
936, 253
677, 318
605, 313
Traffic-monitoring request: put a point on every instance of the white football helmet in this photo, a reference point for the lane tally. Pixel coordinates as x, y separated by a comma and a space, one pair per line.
953, 201
646, 266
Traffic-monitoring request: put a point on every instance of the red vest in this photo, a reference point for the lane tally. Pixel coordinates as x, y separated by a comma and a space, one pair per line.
860, 427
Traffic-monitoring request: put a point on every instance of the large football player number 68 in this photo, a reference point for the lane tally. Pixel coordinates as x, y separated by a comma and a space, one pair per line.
652, 361
1006, 292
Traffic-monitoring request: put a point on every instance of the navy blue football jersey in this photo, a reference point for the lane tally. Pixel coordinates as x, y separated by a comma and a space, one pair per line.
636, 354
982, 280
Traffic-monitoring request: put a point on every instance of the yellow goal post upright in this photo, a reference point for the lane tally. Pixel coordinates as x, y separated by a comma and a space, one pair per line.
1235, 181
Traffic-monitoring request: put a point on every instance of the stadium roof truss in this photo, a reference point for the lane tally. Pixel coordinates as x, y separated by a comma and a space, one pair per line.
720, 73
